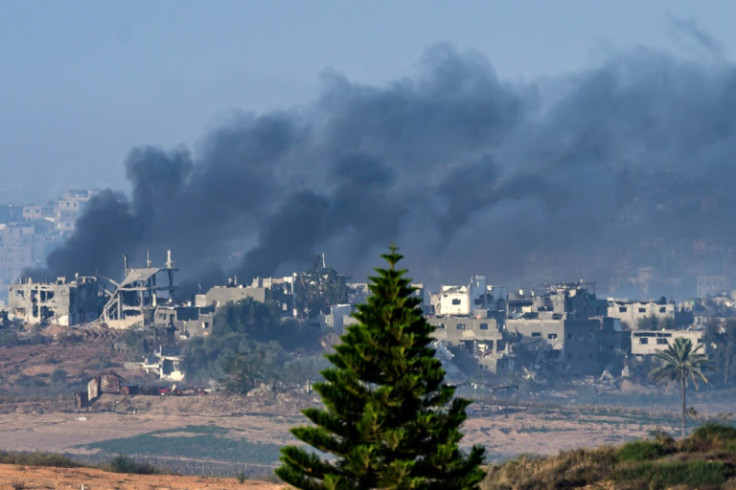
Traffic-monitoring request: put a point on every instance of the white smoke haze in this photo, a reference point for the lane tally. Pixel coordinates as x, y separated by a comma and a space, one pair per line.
595, 175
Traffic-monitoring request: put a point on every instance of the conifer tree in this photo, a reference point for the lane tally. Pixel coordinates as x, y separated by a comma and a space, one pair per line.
389, 420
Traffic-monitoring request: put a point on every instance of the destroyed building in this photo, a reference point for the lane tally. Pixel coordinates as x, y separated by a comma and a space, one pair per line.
132, 302
634, 313
339, 317
222, 295
472, 316
168, 367
566, 324
201, 326
573, 300
60, 302
481, 337
463, 300
577, 346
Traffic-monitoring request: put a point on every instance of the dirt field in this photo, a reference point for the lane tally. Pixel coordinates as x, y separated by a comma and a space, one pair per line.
12, 476
266, 420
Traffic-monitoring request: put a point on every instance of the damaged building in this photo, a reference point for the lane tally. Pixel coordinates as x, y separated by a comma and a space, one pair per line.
463, 300
59, 302
566, 324
635, 313
472, 316
481, 337
165, 366
132, 302
649, 342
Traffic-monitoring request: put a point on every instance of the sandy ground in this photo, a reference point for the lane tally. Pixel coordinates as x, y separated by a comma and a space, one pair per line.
55, 427
36, 426
46, 426
12, 476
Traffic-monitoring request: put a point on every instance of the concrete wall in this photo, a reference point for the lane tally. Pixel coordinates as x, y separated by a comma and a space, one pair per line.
549, 330
649, 342
455, 330
452, 301
335, 320
630, 312
221, 295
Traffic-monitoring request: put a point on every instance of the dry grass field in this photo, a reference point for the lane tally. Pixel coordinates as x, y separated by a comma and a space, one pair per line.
17, 477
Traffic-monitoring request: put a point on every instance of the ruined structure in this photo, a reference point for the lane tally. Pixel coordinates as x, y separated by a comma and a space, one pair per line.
481, 337
633, 313
60, 302
222, 295
463, 300
110, 382
167, 367
133, 301
337, 319
567, 324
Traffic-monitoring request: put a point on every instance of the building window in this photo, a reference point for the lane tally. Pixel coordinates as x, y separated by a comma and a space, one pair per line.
642, 310
552, 336
661, 341
536, 334
643, 340
460, 326
663, 309
569, 336
484, 326
441, 325
456, 301
622, 309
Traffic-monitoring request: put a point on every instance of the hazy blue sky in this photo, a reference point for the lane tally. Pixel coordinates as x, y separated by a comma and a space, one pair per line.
84, 82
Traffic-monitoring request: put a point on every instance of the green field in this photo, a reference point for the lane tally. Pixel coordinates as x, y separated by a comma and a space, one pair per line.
201, 443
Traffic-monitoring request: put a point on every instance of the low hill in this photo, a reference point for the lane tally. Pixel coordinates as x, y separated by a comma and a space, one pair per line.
704, 460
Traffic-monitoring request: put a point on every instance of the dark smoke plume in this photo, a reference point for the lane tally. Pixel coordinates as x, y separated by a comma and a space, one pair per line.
619, 174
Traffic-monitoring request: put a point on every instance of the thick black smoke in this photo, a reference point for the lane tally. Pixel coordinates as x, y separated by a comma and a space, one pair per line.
621, 174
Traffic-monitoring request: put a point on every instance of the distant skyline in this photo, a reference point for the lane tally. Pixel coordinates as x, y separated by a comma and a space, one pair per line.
83, 82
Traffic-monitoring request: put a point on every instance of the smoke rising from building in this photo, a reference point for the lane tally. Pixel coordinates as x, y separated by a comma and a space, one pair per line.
609, 174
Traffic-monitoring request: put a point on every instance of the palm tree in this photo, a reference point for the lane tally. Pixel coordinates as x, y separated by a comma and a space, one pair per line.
680, 362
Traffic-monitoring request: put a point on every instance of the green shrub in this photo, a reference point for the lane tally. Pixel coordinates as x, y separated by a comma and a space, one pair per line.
694, 474
642, 451
123, 464
714, 431
37, 459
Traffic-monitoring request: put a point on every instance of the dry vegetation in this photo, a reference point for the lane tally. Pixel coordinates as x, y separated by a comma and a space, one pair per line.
706, 459
32, 477
55, 360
